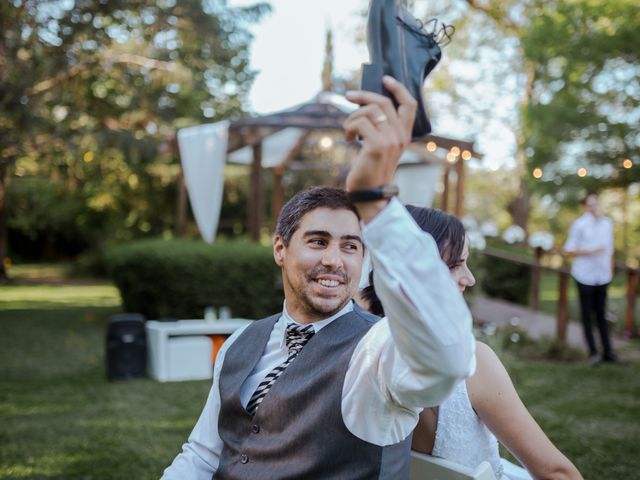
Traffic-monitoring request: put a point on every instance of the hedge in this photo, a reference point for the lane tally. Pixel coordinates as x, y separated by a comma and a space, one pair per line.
177, 279
505, 279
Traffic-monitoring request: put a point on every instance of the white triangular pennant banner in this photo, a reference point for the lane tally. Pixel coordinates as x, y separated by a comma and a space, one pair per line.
203, 152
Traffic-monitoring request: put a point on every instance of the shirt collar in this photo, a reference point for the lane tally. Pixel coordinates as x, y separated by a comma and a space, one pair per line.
286, 318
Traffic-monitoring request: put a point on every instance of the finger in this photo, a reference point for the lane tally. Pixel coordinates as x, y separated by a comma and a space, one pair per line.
386, 123
407, 105
359, 127
362, 97
372, 111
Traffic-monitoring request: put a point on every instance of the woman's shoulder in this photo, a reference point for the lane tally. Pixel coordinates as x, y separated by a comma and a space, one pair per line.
485, 357
489, 374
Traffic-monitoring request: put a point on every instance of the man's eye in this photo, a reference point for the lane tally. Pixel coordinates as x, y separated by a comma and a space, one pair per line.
317, 241
351, 246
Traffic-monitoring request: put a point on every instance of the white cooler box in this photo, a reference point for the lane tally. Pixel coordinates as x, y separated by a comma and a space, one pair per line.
183, 350
189, 358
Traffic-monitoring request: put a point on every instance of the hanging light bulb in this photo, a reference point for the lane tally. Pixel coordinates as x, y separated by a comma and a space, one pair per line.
627, 163
537, 173
431, 146
582, 172
326, 143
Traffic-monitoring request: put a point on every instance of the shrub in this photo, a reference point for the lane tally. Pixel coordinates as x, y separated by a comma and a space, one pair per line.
505, 279
179, 278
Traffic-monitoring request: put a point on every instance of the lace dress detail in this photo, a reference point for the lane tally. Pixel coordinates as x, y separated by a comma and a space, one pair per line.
462, 437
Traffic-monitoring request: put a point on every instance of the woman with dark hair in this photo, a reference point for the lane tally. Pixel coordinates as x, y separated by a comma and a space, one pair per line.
485, 408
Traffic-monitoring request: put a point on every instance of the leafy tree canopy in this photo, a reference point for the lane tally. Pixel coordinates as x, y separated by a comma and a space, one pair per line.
90, 91
585, 104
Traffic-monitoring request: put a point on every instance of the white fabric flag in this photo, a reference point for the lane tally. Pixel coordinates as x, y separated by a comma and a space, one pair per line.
203, 152
275, 148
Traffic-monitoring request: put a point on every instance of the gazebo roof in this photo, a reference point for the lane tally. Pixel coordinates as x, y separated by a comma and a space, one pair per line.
328, 111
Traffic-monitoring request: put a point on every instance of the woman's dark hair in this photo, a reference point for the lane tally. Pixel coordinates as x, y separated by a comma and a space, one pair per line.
446, 230
448, 233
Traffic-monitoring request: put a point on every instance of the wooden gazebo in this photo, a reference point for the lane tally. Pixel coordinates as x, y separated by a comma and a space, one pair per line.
327, 111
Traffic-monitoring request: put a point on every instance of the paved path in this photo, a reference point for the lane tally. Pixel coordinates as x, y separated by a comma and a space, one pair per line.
536, 324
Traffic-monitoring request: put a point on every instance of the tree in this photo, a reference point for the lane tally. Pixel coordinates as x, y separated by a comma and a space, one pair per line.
585, 103
573, 65
90, 90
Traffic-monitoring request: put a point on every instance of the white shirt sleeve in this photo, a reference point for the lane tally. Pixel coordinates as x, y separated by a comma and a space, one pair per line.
573, 239
608, 240
413, 358
200, 456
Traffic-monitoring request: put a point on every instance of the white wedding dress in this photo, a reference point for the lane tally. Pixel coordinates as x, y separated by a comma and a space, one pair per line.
463, 438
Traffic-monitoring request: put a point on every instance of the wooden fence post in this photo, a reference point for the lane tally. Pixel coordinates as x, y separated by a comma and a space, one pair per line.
629, 314
563, 305
536, 273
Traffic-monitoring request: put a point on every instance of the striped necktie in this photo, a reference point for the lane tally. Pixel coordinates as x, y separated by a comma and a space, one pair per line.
296, 337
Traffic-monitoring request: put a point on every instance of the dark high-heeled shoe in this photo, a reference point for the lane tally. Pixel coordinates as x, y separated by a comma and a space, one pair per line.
400, 46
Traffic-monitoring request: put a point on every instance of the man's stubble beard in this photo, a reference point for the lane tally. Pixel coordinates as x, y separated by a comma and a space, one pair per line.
314, 308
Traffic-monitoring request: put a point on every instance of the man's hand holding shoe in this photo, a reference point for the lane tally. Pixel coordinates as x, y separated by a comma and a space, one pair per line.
384, 132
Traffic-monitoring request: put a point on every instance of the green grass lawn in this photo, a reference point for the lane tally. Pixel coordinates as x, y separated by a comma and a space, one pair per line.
61, 419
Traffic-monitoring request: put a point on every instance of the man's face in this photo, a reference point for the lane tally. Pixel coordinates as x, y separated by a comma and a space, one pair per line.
592, 205
321, 266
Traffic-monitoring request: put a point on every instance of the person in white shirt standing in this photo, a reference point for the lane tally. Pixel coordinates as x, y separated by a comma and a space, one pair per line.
590, 243
323, 389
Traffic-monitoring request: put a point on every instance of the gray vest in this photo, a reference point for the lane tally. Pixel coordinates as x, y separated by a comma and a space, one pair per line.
298, 431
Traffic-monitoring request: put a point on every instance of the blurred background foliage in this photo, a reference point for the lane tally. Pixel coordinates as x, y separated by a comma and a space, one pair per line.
91, 95
92, 92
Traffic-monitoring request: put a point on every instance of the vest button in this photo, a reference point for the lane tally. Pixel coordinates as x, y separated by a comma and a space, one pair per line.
255, 429
244, 458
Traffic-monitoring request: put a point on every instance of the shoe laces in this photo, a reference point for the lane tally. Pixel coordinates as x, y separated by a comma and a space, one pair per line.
434, 30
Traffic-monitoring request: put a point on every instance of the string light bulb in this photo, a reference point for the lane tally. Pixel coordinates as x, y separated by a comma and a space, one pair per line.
537, 173
466, 155
582, 172
455, 151
627, 163
326, 143
431, 146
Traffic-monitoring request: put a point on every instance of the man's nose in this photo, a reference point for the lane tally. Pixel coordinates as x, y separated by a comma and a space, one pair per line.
332, 257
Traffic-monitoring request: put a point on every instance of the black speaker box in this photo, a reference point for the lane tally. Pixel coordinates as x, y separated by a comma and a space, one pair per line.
126, 347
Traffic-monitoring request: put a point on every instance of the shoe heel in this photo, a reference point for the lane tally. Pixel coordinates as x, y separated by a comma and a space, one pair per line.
372, 78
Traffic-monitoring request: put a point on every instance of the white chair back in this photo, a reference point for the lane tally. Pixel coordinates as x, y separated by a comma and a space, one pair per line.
426, 467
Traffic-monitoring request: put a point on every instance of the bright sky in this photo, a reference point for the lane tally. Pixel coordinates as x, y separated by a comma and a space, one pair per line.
288, 53
288, 48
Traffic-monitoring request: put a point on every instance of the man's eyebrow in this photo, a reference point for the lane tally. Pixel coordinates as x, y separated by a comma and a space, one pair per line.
351, 237
325, 234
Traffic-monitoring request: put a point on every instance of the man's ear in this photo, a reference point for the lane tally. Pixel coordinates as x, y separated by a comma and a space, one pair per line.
279, 250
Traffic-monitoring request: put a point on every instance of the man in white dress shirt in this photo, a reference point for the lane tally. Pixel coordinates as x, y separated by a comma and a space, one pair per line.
343, 402
590, 242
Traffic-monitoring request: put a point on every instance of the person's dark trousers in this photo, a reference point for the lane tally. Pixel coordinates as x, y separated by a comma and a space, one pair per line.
593, 299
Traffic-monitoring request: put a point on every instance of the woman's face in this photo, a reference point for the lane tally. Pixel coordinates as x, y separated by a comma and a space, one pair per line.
461, 273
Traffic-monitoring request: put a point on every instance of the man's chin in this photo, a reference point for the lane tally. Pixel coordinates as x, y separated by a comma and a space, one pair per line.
329, 307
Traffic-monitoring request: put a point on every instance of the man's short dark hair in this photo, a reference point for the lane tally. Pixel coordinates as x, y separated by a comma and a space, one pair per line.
583, 200
305, 201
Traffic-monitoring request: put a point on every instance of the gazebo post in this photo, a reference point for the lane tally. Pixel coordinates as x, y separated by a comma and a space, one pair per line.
255, 210
181, 205
277, 194
444, 203
460, 188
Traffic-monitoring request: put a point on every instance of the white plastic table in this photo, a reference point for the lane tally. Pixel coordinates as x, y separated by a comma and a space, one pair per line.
182, 350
